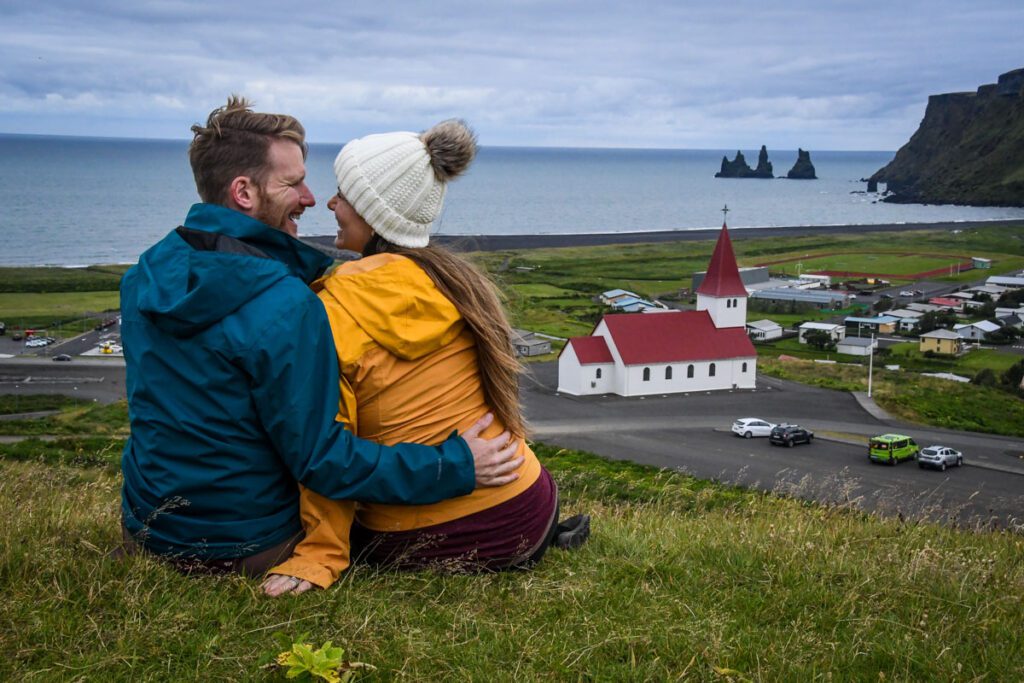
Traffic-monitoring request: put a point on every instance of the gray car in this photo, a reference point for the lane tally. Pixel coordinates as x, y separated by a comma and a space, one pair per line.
939, 457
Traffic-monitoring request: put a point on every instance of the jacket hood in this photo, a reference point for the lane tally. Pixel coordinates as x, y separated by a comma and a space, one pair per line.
222, 259
395, 303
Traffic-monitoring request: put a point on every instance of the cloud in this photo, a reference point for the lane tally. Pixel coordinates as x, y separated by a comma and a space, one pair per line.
669, 74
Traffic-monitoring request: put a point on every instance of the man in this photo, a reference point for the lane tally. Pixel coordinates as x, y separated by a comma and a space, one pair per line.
232, 376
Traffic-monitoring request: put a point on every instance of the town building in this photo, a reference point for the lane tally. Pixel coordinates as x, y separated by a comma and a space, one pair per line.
752, 276
857, 346
976, 331
1010, 281
881, 324
672, 351
764, 330
908, 320
837, 332
819, 298
529, 344
981, 263
955, 305
941, 341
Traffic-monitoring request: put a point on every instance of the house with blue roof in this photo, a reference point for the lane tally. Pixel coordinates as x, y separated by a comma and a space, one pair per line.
880, 324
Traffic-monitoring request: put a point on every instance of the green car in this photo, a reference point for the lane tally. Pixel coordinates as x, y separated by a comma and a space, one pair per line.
891, 448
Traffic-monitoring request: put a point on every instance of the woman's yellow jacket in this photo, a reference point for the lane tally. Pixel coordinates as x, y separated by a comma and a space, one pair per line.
408, 373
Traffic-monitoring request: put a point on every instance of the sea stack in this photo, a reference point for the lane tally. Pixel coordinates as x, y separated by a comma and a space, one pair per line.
738, 168
803, 169
764, 167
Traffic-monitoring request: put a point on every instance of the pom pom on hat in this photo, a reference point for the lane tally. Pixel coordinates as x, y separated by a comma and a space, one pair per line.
397, 181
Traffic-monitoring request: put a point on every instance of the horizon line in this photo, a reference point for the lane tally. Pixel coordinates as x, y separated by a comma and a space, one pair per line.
546, 147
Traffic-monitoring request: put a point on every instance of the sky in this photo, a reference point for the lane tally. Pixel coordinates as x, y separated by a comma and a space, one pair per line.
719, 74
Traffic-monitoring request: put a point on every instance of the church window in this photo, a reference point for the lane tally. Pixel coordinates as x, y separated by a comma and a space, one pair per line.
711, 370
668, 372
689, 371
647, 374
744, 367
728, 303
598, 375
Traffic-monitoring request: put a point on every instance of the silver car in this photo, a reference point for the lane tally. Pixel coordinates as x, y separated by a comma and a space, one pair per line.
939, 457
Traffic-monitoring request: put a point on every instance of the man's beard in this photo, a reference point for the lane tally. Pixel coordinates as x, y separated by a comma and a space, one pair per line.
273, 215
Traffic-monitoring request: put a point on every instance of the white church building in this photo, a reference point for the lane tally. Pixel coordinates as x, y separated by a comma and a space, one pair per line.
669, 352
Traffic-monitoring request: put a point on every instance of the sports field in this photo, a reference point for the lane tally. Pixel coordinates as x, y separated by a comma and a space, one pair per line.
890, 264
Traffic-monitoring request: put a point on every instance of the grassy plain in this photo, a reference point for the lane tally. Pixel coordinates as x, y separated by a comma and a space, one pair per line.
681, 580
551, 290
29, 310
912, 397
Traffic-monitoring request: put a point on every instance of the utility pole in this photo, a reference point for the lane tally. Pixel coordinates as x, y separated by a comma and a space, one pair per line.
871, 362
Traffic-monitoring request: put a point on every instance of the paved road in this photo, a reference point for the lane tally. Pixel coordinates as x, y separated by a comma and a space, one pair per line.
99, 379
688, 432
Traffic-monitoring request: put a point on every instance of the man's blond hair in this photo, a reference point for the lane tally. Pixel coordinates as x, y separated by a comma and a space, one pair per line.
235, 142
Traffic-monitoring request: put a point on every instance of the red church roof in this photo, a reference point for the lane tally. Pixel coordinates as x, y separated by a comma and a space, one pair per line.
590, 350
723, 276
674, 337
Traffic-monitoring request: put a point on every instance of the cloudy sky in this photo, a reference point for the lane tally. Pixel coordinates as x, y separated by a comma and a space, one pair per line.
818, 74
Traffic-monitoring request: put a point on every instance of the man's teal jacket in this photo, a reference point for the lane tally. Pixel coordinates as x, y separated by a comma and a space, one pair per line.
232, 393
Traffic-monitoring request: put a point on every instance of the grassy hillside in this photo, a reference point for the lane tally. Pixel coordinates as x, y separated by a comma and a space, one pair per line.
682, 580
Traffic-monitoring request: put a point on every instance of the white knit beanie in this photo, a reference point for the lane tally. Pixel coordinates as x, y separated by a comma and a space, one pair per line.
397, 181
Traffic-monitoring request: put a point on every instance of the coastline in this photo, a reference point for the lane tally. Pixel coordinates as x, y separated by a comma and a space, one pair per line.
467, 243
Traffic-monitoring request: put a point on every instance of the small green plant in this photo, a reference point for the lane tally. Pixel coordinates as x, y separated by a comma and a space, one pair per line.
326, 663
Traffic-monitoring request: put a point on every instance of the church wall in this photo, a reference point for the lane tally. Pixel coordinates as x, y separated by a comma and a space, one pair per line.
581, 380
727, 374
570, 376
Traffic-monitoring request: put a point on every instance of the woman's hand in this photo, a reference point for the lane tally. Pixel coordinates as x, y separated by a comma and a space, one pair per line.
279, 584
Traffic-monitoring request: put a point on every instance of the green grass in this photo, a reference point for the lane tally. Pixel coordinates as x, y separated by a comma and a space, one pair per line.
909, 357
11, 404
871, 262
912, 397
681, 580
29, 310
43, 279
93, 419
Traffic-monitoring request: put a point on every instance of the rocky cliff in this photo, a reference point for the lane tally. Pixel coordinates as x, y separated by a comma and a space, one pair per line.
969, 149
738, 168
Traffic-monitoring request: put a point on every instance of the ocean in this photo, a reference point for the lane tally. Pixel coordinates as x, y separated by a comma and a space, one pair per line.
76, 201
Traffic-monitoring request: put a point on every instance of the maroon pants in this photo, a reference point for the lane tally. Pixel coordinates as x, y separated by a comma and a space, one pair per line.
514, 534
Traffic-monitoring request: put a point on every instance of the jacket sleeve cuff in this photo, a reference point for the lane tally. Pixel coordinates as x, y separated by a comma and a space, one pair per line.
457, 465
316, 574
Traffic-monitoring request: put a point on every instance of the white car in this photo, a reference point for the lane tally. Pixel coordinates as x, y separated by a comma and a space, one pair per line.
906, 292
939, 457
749, 427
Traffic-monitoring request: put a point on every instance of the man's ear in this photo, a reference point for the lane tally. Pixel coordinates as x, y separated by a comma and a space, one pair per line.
243, 194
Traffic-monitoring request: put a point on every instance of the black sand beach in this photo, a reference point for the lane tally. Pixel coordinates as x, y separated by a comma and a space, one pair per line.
507, 242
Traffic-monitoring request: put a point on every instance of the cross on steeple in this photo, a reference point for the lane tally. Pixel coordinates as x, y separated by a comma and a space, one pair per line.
725, 211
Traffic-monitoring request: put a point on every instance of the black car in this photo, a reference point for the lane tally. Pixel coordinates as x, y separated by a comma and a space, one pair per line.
789, 435
62, 357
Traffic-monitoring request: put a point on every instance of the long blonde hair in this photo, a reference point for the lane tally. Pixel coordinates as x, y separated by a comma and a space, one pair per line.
479, 302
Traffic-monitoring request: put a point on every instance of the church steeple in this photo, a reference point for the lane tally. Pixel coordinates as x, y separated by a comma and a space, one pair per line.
722, 293
723, 276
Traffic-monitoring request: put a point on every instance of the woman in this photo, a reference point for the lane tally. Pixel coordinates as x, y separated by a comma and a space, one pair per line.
424, 350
